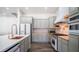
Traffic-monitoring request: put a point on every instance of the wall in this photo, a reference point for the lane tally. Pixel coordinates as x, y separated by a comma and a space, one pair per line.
6, 23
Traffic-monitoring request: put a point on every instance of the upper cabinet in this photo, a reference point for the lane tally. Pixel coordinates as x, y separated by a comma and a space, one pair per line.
62, 14
51, 21
73, 10
25, 19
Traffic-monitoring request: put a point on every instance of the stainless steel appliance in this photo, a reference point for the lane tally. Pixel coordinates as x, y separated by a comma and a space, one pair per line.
73, 18
74, 24
54, 41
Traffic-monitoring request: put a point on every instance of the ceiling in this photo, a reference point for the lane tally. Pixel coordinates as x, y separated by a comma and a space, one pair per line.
29, 10
40, 10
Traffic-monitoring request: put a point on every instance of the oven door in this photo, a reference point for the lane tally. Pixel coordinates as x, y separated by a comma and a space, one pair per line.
74, 18
74, 28
54, 43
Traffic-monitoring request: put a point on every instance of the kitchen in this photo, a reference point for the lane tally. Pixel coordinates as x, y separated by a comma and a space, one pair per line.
39, 29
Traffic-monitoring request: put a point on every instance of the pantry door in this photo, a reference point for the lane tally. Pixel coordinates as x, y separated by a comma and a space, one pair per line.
40, 30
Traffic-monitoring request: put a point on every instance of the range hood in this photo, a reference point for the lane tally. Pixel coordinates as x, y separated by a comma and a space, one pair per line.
62, 15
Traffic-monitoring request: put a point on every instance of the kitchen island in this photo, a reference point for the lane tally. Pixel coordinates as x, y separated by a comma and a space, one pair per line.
7, 44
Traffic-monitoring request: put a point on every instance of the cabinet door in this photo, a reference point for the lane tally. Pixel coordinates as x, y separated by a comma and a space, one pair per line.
25, 20
27, 43
73, 10
73, 44
22, 46
59, 44
51, 21
40, 23
64, 45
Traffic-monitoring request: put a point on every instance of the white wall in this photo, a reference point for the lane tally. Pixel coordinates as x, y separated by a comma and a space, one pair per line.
6, 23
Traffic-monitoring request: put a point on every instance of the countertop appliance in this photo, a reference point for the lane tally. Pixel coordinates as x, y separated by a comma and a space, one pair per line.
74, 24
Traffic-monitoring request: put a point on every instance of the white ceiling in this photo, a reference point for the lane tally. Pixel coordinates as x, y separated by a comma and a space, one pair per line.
40, 10
29, 10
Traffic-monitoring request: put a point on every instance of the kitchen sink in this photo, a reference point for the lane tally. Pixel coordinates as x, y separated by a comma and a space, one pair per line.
17, 37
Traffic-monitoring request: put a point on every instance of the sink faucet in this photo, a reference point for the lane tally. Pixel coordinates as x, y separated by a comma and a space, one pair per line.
12, 27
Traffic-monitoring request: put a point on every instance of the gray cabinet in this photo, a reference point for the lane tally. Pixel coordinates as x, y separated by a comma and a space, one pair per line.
40, 23
73, 43
22, 46
73, 10
25, 44
64, 45
51, 21
25, 19
59, 44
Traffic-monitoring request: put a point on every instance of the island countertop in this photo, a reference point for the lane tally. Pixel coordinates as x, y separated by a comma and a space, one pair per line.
6, 43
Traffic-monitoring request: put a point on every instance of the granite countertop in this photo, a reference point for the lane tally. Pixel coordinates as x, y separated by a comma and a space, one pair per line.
64, 37
6, 43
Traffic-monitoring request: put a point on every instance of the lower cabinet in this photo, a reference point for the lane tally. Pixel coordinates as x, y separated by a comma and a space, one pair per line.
59, 44
62, 45
71, 45
22, 46
25, 44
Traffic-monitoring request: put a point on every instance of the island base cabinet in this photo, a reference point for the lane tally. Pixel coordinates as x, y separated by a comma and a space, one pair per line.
25, 44
22, 46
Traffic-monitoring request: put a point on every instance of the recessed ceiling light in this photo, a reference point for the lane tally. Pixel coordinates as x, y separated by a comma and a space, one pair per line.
7, 8
26, 8
45, 8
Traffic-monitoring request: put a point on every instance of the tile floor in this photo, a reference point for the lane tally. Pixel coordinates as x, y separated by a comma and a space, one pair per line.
41, 47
